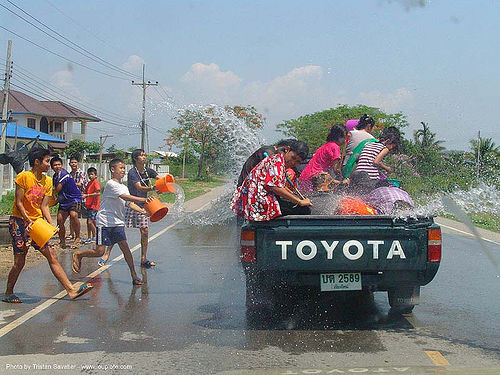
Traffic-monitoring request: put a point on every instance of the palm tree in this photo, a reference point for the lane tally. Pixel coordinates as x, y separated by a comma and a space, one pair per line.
485, 146
425, 139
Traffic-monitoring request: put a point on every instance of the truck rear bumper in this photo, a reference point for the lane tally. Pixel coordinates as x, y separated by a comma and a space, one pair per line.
370, 281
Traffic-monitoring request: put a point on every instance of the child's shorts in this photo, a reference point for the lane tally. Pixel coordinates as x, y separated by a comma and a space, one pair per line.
110, 235
20, 238
91, 214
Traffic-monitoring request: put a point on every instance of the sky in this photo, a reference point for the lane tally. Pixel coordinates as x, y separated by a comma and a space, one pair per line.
434, 61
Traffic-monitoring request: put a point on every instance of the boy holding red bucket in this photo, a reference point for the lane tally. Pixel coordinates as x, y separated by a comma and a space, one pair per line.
111, 220
33, 191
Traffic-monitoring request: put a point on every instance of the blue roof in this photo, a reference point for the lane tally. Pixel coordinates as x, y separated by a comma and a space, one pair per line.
28, 133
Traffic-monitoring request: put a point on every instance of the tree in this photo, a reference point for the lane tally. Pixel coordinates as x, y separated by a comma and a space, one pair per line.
313, 128
210, 132
119, 153
425, 139
77, 147
485, 146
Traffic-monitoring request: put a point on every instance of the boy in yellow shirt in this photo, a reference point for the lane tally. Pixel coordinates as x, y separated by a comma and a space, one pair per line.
33, 190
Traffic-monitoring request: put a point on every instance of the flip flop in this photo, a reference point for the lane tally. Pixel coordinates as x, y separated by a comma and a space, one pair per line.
137, 282
84, 288
76, 263
148, 264
102, 262
12, 299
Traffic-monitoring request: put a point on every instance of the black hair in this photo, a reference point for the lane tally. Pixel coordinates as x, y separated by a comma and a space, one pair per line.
37, 154
114, 162
336, 132
73, 157
365, 121
300, 148
91, 170
392, 135
284, 142
54, 159
135, 154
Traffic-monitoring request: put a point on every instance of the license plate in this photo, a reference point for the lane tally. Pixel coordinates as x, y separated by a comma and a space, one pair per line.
337, 282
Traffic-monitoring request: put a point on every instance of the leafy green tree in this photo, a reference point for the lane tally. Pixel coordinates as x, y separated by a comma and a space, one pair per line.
425, 151
485, 146
77, 147
313, 128
425, 140
206, 132
119, 153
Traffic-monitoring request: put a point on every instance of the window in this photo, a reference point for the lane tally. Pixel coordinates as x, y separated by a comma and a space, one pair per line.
57, 127
31, 123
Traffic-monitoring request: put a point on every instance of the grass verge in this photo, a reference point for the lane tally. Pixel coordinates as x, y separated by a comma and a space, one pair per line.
192, 189
482, 220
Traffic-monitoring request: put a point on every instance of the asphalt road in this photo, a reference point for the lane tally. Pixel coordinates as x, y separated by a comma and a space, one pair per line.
190, 317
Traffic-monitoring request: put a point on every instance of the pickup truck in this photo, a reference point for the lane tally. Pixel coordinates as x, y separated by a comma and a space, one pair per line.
339, 254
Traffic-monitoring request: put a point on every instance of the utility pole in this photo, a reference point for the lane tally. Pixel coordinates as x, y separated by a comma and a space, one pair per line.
102, 139
144, 85
5, 109
478, 160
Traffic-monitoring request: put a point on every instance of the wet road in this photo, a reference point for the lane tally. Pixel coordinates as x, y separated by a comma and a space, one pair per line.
190, 317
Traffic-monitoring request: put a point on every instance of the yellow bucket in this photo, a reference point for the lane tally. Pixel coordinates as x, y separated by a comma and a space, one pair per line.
41, 232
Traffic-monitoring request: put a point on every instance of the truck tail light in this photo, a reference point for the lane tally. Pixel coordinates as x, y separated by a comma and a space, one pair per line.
247, 243
434, 245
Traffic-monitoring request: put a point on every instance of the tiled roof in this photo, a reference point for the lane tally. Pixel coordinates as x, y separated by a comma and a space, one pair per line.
22, 103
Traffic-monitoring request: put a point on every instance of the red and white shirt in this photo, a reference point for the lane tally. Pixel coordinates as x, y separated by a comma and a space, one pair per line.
252, 199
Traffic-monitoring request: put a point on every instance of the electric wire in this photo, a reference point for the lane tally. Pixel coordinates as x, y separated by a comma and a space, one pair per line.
73, 99
63, 57
92, 56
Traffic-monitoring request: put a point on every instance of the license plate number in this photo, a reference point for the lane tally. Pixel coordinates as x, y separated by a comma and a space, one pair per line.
336, 282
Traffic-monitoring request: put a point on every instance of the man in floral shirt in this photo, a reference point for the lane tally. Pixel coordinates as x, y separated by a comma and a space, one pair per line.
263, 195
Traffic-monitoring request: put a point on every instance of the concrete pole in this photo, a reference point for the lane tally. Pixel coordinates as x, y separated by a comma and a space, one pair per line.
5, 108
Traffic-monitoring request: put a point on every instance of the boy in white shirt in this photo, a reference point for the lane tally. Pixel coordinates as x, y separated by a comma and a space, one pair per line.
111, 220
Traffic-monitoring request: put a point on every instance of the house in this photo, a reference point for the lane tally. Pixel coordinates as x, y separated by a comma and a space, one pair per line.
55, 118
19, 135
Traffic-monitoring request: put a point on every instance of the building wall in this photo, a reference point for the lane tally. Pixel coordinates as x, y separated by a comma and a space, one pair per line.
67, 126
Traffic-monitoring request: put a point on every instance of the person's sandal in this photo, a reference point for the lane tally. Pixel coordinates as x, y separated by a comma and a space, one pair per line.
137, 282
102, 262
12, 299
148, 264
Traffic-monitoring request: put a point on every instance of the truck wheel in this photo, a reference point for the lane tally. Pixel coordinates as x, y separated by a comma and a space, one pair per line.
403, 300
258, 301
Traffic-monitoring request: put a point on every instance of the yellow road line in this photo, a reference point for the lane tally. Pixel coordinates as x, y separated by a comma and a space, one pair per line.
437, 358
38, 309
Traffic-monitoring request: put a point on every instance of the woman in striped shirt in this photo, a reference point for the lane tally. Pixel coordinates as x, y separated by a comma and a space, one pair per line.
373, 154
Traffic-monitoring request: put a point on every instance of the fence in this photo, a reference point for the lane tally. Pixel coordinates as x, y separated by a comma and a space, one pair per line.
7, 182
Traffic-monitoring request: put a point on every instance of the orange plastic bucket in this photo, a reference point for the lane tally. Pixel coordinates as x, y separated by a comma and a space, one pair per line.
41, 232
155, 209
165, 184
355, 206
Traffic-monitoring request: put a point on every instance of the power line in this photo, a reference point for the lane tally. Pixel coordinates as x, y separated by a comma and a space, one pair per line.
42, 96
92, 56
62, 57
89, 31
32, 79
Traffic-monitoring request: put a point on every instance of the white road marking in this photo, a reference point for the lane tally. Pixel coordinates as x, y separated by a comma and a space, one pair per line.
467, 233
49, 302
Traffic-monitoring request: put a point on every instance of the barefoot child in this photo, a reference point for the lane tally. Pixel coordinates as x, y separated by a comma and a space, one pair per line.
92, 198
111, 220
33, 190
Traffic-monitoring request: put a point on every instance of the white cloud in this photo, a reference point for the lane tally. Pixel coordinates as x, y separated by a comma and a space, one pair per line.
64, 80
133, 64
208, 83
395, 101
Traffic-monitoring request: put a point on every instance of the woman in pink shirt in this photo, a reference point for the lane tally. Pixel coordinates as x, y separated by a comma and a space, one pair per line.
325, 159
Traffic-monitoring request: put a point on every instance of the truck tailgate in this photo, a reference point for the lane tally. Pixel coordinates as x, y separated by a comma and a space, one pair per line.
362, 245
